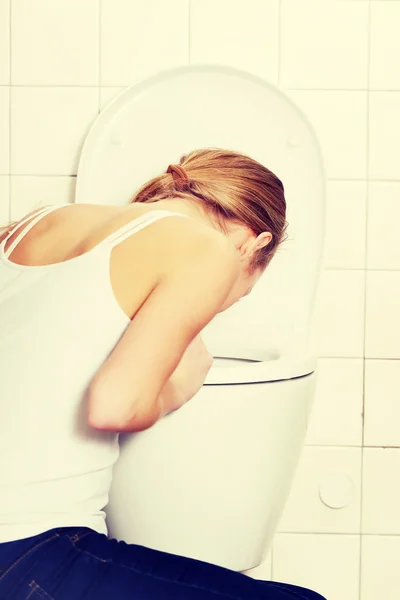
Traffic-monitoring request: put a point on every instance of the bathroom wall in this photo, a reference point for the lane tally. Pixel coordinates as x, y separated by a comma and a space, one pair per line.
62, 61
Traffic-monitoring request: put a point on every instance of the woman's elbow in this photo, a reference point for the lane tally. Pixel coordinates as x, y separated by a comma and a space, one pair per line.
119, 415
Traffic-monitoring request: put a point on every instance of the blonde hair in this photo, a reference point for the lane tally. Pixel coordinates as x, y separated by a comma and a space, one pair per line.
230, 186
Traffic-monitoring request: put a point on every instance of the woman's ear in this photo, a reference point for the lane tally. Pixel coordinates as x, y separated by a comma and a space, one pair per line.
259, 242
247, 242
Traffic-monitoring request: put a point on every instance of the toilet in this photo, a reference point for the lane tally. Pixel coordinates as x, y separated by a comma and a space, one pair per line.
210, 480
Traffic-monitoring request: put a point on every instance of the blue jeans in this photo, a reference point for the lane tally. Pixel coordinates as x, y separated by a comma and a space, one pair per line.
77, 563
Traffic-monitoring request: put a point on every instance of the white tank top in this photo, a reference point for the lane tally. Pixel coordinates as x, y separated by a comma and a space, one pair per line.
58, 323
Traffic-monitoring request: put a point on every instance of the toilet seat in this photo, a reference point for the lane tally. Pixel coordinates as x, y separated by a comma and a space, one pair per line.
260, 371
152, 124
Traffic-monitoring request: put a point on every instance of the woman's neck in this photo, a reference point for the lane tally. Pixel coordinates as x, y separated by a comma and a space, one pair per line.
186, 207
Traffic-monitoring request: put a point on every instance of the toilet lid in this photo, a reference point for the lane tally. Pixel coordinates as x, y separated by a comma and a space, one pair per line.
153, 123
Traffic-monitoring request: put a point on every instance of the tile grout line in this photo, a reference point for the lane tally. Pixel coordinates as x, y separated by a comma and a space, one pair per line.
337, 357
63, 85
279, 24
367, 158
9, 108
350, 446
358, 89
341, 180
394, 90
99, 6
41, 174
346, 180
88, 85
286, 89
189, 31
279, 67
361, 269
278, 83
339, 533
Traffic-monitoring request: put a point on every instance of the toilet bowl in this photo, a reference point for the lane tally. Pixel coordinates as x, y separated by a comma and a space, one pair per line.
210, 480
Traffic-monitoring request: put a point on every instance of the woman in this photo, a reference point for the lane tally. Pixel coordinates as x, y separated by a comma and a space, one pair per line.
99, 334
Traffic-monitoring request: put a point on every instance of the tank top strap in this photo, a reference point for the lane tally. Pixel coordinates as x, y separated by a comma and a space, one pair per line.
32, 220
136, 225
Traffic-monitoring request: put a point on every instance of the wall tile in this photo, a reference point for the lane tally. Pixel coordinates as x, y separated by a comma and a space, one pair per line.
381, 491
385, 46
325, 496
4, 42
382, 406
382, 331
336, 418
263, 571
48, 128
4, 129
29, 193
340, 122
328, 564
384, 127
139, 39
244, 35
345, 225
383, 251
109, 93
339, 314
55, 43
4, 200
314, 55
380, 573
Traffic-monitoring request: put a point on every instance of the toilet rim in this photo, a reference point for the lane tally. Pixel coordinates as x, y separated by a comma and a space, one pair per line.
284, 367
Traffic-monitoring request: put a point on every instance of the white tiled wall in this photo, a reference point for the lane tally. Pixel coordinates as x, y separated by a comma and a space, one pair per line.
384, 133
4, 43
65, 53
47, 127
244, 35
140, 37
328, 564
340, 61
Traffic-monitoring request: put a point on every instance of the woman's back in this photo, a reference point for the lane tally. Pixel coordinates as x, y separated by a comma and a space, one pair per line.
62, 311
66, 234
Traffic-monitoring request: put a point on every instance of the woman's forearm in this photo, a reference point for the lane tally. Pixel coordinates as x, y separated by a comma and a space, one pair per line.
170, 398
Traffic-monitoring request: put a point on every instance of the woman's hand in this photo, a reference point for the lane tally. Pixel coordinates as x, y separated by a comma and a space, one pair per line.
188, 377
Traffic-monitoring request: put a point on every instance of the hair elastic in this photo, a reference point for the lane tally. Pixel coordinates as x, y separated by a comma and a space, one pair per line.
179, 176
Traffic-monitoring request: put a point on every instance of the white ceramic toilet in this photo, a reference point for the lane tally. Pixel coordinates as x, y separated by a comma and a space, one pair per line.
210, 480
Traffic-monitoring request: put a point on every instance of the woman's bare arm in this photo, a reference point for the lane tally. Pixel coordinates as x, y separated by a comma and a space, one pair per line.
124, 394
